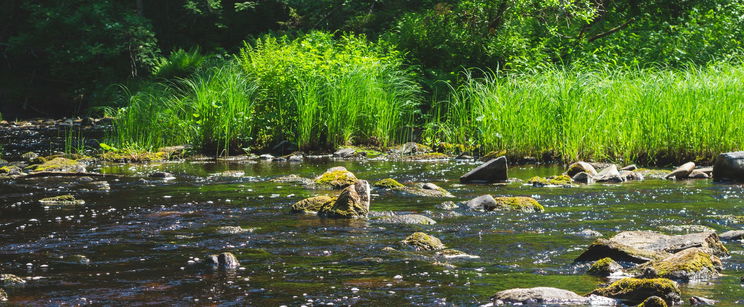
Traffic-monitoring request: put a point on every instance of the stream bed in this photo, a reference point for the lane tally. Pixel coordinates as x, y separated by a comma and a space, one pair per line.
142, 237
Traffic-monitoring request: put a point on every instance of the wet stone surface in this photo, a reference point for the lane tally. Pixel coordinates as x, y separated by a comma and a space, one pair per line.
145, 240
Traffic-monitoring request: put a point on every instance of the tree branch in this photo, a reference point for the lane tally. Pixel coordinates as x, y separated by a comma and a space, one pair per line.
613, 30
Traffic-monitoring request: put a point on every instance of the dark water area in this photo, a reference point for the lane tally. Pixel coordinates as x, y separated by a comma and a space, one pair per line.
143, 235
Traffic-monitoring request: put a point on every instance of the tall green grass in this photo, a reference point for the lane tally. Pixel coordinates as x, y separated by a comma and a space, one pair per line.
651, 116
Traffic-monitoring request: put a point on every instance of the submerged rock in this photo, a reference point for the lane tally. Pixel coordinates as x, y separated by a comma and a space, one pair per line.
653, 301
559, 180
682, 171
312, 204
691, 264
224, 261
634, 291
414, 219
732, 235
353, 202
420, 189
62, 200
581, 166
588, 233
546, 296
422, 241
337, 177
11, 281
604, 267
59, 165
453, 253
76, 259
230, 230
729, 166
495, 170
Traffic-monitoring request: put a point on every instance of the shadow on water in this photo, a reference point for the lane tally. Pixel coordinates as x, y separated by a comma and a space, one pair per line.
143, 236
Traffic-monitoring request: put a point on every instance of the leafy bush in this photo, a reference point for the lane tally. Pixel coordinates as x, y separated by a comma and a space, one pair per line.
179, 63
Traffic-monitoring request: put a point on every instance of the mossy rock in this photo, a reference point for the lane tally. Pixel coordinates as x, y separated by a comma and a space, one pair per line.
62, 200
603, 248
412, 219
337, 178
388, 183
422, 241
453, 253
581, 166
553, 180
364, 151
516, 203
634, 290
59, 164
653, 301
312, 204
10, 170
293, 179
492, 155
689, 264
11, 281
353, 202
604, 267
134, 156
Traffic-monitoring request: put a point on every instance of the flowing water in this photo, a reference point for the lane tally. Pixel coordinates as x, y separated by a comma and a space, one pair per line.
141, 235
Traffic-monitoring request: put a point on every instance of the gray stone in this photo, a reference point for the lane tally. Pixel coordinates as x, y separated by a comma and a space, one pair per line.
266, 157
729, 166
344, 152
698, 174
495, 170
583, 177
414, 219
228, 230
3, 295
609, 174
699, 300
481, 202
581, 166
631, 167
732, 235
682, 171
588, 233
658, 242
545, 296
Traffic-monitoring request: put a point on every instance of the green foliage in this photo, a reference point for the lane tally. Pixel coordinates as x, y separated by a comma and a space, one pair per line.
327, 92
636, 115
179, 63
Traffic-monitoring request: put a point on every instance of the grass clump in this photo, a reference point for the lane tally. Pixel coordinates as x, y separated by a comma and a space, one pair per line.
647, 115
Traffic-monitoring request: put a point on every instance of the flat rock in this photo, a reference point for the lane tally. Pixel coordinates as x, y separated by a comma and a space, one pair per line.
603, 248
544, 296
344, 153
588, 233
414, 219
292, 179
686, 228
732, 235
658, 242
729, 166
682, 171
495, 170
59, 165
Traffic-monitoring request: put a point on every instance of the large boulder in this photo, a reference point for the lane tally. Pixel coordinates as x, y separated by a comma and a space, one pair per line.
353, 202
692, 264
729, 166
634, 291
337, 177
495, 170
658, 242
422, 241
546, 296
682, 172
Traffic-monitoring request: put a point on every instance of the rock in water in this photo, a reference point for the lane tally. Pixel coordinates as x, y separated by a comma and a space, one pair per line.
609, 174
603, 248
516, 203
337, 177
732, 235
692, 264
344, 152
11, 281
225, 261
3, 295
604, 267
729, 166
643, 246
581, 166
653, 301
59, 165
698, 300
413, 219
634, 291
583, 177
312, 204
682, 171
545, 296
422, 241
353, 202
492, 171
62, 200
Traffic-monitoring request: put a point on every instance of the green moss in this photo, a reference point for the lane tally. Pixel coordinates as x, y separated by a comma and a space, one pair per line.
337, 178
429, 156
653, 301
422, 241
388, 183
635, 290
685, 265
603, 267
134, 156
61, 200
365, 151
517, 203
6, 169
493, 155
312, 204
56, 164
553, 180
